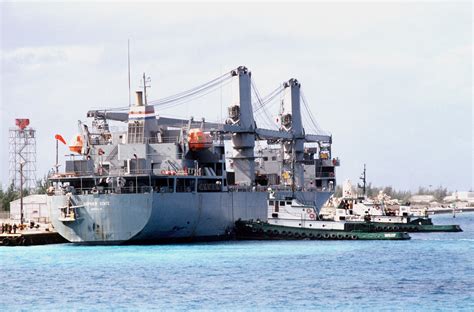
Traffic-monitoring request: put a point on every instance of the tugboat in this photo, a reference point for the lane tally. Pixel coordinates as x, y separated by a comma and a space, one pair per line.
373, 212
290, 219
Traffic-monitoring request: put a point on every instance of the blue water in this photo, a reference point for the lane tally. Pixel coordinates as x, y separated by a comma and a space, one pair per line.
430, 272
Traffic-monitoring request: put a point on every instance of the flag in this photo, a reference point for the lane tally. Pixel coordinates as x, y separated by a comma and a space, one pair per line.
60, 138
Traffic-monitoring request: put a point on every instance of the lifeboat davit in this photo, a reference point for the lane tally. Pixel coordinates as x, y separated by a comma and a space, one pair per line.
199, 140
76, 145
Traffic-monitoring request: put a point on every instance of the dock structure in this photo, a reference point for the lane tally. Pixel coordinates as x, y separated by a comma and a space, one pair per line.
12, 234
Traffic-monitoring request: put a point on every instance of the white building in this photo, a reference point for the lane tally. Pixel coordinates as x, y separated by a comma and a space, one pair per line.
467, 197
422, 199
34, 208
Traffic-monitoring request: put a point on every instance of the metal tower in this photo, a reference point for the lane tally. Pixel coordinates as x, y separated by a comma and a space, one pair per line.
22, 155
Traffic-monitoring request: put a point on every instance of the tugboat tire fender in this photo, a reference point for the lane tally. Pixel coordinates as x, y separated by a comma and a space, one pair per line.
326, 235
6, 241
396, 228
318, 235
340, 236
378, 228
354, 237
333, 235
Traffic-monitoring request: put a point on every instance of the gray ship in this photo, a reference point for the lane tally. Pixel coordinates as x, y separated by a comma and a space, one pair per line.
169, 180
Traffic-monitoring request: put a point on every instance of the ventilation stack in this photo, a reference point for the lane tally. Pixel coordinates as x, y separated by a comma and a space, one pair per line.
142, 123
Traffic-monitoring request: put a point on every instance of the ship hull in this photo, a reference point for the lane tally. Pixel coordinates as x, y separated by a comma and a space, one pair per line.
160, 217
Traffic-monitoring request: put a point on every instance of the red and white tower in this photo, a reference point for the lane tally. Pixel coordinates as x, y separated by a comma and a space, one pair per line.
22, 155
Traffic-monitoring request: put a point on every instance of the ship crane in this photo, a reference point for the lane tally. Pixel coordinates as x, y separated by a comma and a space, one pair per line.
240, 125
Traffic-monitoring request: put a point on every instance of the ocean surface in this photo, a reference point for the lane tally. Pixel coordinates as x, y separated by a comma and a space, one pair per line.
430, 272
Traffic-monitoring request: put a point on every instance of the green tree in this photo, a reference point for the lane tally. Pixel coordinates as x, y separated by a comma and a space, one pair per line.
7, 196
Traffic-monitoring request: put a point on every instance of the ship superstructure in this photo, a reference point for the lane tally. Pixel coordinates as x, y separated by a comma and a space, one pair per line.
167, 179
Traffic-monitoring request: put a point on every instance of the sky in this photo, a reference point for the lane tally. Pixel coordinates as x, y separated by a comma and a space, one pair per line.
391, 81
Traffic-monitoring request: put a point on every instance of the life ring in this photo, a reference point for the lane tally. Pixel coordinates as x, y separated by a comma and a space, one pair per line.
94, 190
312, 216
309, 210
120, 182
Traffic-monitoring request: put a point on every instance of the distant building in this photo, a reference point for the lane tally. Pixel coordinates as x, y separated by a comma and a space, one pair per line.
461, 197
419, 199
34, 208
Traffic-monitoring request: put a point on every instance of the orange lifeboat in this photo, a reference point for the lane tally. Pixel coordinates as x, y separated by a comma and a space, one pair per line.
76, 145
199, 140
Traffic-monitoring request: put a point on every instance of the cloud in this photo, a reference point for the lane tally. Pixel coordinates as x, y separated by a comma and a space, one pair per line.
34, 58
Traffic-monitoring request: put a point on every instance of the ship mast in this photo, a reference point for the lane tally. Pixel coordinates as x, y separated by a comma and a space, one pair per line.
293, 161
363, 177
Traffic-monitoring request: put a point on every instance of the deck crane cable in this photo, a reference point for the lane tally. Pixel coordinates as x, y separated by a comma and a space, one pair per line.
261, 109
267, 119
214, 84
184, 94
270, 97
192, 98
314, 123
